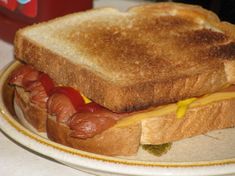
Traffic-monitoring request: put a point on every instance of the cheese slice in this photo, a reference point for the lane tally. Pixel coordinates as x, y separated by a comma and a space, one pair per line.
181, 108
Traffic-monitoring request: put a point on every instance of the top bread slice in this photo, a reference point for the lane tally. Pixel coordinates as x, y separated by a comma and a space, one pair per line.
150, 55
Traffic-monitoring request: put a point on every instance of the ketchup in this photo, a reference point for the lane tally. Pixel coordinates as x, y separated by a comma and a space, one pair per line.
15, 14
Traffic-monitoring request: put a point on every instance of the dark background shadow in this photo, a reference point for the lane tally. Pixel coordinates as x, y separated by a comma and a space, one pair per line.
225, 9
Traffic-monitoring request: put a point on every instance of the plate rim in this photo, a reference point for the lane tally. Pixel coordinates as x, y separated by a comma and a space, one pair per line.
95, 157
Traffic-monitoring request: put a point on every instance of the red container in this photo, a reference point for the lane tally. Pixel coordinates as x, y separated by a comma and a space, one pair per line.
15, 14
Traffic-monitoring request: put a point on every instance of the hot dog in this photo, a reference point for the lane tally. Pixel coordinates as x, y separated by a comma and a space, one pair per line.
65, 103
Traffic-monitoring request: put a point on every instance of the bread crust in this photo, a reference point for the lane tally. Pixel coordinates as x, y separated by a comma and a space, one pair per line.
112, 142
35, 115
205, 66
197, 120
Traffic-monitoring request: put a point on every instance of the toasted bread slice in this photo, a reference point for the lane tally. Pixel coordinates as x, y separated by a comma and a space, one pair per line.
112, 142
151, 55
156, 130
197, 120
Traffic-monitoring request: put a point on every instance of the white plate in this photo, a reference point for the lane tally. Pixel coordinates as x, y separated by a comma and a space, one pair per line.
211, 154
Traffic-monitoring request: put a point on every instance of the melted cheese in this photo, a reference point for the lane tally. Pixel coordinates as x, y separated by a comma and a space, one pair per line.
179, 108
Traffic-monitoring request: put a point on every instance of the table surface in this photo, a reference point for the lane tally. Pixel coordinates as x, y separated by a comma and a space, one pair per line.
18, 161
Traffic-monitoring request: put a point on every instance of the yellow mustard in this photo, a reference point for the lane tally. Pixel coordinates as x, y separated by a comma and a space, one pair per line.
179, 108
182, 107
85, 99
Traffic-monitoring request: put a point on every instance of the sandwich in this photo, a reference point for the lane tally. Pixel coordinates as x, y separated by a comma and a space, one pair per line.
107, 82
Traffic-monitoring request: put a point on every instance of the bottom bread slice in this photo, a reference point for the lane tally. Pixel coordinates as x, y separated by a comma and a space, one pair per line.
34, 115
197, 120
125, 141
112, 142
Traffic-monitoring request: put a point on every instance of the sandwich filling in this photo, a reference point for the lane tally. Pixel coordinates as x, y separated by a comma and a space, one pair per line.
86, 118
